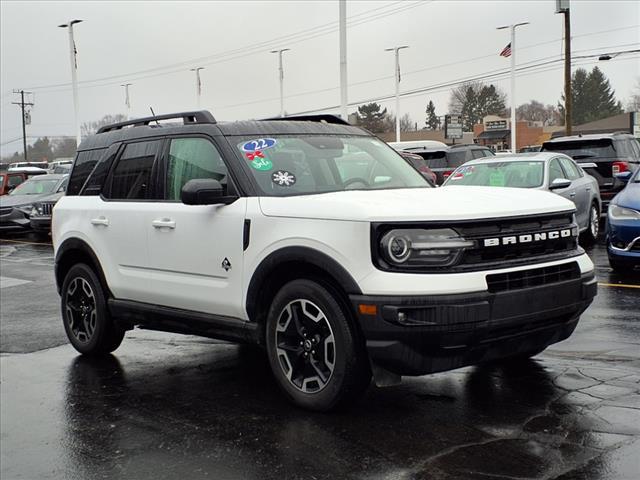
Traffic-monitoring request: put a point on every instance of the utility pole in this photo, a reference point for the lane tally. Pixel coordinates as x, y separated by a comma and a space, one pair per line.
198, 85
568, 101
127, 99
397, 75
512, 29
74, 75
23, 104
343, 60
281, 74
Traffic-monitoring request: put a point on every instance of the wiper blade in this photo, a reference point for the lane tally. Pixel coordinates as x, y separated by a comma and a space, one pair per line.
583, 155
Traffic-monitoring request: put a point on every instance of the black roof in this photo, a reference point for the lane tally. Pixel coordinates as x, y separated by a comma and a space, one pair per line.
145, 128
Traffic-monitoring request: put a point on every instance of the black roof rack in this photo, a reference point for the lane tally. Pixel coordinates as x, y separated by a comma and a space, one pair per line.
202, 116
324, 118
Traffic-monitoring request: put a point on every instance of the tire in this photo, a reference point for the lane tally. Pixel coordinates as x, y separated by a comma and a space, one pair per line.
85, 316
316, 355
590, 235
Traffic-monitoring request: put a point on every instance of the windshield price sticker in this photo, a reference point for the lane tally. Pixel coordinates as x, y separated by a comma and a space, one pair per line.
496, 179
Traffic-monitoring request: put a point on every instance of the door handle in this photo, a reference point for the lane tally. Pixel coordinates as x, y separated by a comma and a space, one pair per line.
104, 221
588, 189
163, 223
572, 194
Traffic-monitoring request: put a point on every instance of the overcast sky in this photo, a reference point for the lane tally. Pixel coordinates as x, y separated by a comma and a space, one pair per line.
153, 45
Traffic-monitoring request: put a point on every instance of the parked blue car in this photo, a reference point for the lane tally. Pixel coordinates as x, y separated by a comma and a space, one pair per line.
623, 225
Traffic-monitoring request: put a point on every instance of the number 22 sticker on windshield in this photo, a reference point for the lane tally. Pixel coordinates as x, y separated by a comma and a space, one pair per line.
258, 144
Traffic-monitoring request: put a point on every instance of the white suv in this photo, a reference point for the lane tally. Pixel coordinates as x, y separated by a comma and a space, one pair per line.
315, 239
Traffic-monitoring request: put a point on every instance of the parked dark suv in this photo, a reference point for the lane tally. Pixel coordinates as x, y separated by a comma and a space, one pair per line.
608, 154
443, 161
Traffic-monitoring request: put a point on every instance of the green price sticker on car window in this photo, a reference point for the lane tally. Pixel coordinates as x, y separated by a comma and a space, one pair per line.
496, 179
262, 164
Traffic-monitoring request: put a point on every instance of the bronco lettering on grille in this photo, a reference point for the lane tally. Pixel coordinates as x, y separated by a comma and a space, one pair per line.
527, 238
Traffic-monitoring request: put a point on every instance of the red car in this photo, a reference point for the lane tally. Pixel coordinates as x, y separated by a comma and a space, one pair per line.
419, 163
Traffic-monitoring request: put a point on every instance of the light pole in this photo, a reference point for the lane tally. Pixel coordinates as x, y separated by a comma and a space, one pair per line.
74, 75
343, 60
397, 51
198, 85
512, 28
281, 74
127, 99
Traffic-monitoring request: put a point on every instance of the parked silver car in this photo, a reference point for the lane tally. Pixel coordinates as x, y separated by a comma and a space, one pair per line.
551, 171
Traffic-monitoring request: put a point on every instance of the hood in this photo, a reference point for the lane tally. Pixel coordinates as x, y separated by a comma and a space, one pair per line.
629, 197
51, 197
18, 200
417, 204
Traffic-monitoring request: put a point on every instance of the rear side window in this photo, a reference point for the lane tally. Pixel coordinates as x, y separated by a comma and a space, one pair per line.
477, 153
131, 176
572, 171
191, 158
457, 158
435, 159
83, 166
15, 180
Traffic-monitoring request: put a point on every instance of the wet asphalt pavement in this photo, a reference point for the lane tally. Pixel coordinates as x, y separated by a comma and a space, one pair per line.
166, 406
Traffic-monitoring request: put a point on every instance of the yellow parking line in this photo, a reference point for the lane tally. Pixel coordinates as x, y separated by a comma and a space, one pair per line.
621, 285
20, 241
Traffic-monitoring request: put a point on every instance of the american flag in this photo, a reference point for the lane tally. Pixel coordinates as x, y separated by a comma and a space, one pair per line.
506, 51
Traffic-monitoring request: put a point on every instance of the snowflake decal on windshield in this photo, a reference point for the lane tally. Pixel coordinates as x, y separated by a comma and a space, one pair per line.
283, 178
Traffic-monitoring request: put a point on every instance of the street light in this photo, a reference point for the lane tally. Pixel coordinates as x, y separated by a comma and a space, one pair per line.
198, 84
397, 52
512, 28
127, 99
74, 74
281, 73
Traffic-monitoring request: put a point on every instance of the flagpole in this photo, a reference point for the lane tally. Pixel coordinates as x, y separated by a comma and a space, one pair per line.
512, 28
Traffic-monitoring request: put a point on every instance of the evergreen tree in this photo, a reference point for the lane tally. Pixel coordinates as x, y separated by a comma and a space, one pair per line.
592, 97
371, 118
474, 101
432, 121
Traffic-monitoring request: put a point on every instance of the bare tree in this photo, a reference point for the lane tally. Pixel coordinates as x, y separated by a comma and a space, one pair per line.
535, 111
634, 101
89, 128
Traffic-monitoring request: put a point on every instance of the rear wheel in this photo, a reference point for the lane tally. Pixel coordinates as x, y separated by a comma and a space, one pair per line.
84, 311
316, 356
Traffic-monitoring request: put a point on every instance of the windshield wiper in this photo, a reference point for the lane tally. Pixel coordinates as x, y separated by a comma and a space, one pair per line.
584, 155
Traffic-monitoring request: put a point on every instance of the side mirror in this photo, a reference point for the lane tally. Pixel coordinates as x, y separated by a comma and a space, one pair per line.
560, 183
623, 176
204, 191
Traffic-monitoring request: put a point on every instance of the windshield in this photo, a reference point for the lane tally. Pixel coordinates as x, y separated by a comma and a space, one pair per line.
285, 165
582, 148
499, 174
36, 187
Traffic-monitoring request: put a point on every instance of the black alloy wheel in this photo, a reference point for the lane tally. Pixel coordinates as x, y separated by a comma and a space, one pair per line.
315, 349
86, 319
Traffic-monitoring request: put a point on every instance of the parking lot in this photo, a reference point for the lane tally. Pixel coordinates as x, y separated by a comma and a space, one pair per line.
165, 405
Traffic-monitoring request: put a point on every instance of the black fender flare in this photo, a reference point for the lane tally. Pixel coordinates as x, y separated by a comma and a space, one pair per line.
300, 255
76, 244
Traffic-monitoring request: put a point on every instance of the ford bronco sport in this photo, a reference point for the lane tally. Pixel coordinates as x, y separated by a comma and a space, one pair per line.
316, 240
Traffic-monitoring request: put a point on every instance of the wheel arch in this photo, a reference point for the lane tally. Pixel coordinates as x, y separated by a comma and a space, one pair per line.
287, 264
73, 251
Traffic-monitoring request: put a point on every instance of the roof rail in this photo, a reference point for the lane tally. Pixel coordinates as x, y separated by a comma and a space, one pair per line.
323, 118
201, 116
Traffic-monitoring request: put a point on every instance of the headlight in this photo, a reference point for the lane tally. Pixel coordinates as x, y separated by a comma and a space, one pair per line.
415, 248
36, 210
26, 209
621, 213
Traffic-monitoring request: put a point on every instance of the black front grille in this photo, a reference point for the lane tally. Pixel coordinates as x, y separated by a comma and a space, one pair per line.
636, 246
47, 208
520, 251
503, 282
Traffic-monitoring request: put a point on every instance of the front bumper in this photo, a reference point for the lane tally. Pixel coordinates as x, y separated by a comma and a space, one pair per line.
41, 224
13, 219
416, 335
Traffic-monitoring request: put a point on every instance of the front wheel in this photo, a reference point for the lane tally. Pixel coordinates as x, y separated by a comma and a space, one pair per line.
593, 228
316, 355
84, 311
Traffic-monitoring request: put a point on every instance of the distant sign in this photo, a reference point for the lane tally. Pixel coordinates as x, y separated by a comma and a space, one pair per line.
453, 126
496, 125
